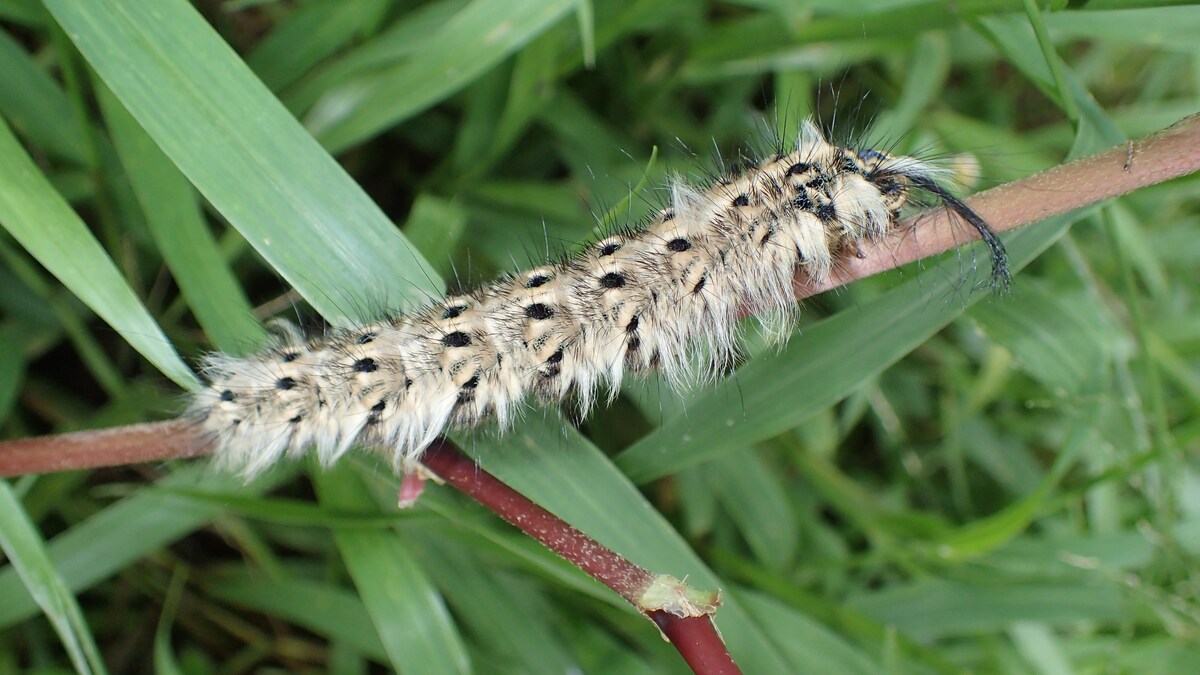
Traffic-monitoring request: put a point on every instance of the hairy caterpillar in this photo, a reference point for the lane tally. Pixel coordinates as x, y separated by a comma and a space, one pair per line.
640, 300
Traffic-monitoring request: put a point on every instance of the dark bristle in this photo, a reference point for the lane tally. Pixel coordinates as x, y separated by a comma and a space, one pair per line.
1001, 276
767, 236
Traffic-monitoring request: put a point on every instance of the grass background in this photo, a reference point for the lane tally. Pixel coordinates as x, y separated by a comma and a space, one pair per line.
919, 482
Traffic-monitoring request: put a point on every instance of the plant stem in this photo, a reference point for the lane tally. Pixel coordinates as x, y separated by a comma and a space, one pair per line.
686, 625
97, 448
681, 614
1170, 153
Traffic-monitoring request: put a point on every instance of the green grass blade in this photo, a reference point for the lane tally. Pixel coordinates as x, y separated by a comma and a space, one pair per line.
507, 614
435, 226
37, 217
250, 158
165, 662
561, 471
825, 364
929, 522
409, 35
1156, 27
476, 39
407, 611
1064, 341
1095, 130
806, 641
182, 236
36, 106
113, 538
12, 367
324, 609
753, 496
315, 31
929, 609
21, 543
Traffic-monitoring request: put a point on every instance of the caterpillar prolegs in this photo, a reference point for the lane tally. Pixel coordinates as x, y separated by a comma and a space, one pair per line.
641, 300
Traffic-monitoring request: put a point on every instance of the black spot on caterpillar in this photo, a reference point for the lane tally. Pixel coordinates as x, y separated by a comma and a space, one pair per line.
612, 280
535, 281
640, 300
679, 245
539, 312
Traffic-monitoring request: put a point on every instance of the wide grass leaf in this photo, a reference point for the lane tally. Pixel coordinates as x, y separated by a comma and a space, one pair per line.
36, 106
513, 621
552, 464
21, 543
315, 31
329, 611
248, 156
408, 612
113, 538
38, 217
931, 609
1061, 340
819, 367
460, 50
806, 641
177, 225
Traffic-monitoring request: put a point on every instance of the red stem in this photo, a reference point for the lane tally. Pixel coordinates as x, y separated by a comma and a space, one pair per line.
609, 568
1173, 152
1170, 153
698, 642
695, 637
96, 448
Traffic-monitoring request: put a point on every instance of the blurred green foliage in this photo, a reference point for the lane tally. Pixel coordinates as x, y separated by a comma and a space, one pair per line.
926, 479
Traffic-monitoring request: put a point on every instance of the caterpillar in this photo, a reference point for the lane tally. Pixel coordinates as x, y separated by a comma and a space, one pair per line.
642, 299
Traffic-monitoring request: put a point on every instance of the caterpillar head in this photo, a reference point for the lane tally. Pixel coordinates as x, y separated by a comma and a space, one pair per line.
897, 177
880, 168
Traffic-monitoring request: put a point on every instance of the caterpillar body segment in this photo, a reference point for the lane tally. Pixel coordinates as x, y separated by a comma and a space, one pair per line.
640, 301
